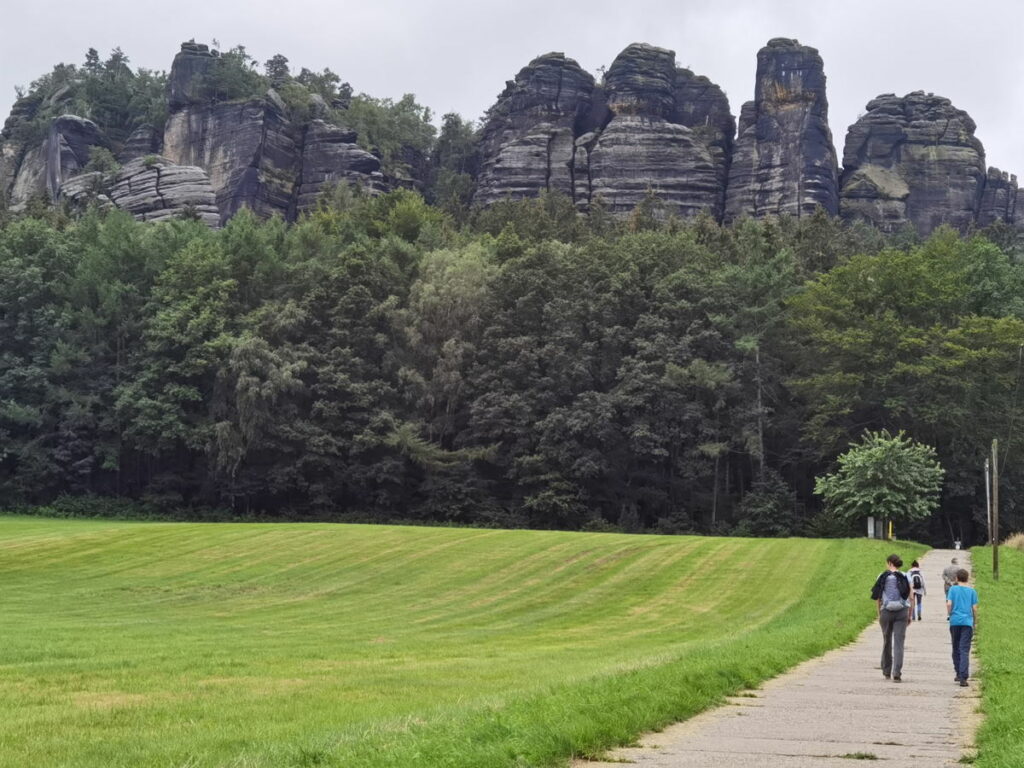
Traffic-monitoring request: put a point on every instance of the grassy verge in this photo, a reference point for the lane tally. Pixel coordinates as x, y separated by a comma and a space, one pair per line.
250, 646
1000, 646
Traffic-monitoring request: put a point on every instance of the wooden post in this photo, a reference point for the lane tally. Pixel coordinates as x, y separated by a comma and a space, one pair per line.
995, 509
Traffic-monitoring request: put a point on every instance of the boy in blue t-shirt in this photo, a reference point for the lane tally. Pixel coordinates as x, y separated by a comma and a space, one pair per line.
962, 609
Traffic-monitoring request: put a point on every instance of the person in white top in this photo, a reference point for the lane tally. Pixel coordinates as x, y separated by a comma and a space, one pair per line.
917, 587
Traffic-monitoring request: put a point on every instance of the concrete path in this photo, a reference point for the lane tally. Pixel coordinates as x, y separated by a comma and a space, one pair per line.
834, 709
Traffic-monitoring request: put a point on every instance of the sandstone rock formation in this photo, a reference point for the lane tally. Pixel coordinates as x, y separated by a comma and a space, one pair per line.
651, 127
331, 156
43, 167
154, 189
703, 107
527, 140
150, 188
999, 200
86, 188
250, 150
144, 140
913, 159
255, 153
648, 127
191, 64
643, 149
784, 161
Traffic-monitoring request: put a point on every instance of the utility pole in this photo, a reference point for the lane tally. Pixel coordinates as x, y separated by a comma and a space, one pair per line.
995, 509
988, 500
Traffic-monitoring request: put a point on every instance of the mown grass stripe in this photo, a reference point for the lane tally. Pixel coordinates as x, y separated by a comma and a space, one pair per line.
169, 644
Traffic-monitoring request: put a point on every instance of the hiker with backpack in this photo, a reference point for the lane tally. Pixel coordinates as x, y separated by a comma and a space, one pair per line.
895, 601
918, 587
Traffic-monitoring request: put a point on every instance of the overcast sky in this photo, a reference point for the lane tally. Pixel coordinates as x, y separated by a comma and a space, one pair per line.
456, 55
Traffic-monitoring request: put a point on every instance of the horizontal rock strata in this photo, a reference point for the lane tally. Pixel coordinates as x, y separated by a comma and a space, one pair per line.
650, 128
154, 189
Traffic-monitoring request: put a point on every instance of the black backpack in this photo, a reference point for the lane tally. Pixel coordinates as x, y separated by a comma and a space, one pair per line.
902, 583
918, 584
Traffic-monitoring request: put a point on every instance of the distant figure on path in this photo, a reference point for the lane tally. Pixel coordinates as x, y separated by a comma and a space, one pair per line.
949, 574
917, 585
962, 609
895, 607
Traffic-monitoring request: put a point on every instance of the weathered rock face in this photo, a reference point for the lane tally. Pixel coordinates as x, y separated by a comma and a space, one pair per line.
62, 154
86, 188
702, 107
154, 189
255, 154
331, 156
69, 146
784, 161
649, 144
913, 159
250, 150
144, 140
149, 188
650, 127
636, 155
999, 199
527, 140
191, 64
641, 81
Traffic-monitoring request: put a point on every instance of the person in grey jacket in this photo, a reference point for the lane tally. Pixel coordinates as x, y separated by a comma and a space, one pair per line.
949, 574
895, 607
917, 587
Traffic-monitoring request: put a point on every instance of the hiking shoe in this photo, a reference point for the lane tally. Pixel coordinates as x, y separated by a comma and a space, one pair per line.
897, 679
963, 683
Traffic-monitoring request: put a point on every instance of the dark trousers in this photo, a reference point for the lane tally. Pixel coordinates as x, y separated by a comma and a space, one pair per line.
894, 633
917, 609
961, 637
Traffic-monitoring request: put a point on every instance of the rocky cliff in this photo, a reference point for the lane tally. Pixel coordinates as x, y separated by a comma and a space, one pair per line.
999, 200
650, 126
527, 140
914, 160
647, 144
39, 169
150, 188
255, 152
252, 152
784, 161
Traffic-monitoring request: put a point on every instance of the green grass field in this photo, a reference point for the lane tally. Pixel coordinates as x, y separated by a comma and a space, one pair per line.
1000, 646
252, 645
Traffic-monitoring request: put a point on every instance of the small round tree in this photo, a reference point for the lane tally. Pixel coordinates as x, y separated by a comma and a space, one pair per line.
886, 476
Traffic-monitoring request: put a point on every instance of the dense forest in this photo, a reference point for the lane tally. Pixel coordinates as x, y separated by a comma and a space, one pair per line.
406, 357
378, 361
